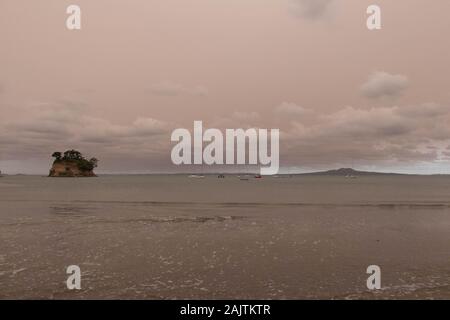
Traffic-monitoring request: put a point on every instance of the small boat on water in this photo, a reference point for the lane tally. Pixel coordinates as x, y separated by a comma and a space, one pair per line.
258, 176
196, 176
221, 176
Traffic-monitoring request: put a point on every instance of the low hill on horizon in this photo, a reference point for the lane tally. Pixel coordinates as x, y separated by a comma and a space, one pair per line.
351, 172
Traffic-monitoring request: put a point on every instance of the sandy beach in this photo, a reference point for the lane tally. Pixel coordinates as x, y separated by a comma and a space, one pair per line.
170, 236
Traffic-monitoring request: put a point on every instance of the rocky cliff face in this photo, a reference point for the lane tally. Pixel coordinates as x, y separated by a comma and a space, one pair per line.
69, 169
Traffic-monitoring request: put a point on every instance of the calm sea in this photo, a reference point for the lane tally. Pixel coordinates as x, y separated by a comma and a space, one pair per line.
164, 237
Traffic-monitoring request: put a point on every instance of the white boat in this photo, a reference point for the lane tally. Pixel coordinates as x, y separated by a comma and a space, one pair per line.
196, 176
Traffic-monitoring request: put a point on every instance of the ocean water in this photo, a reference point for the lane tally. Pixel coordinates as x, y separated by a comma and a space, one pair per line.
170, 236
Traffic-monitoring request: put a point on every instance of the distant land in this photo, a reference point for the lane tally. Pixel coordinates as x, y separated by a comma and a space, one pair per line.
352, 172
342, 172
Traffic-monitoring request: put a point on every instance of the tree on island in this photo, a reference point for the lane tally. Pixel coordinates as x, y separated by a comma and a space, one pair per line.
57, 156
94, 162
74, 156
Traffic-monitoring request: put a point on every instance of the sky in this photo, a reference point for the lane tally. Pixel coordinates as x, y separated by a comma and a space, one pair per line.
341, 95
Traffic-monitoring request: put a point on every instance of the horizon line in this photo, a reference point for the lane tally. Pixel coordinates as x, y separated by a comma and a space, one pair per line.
324, 172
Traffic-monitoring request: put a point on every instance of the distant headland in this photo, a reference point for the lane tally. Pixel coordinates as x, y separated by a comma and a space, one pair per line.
72, 164
350, 172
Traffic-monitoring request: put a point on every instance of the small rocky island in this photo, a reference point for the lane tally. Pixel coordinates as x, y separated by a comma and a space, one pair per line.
72, 164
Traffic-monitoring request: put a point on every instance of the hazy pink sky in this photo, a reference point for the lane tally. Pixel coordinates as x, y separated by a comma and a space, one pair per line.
341, 95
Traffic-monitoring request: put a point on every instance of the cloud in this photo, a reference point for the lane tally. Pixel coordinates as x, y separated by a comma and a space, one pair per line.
237, 119
310, 9
347, 136
424, 111
382, 84
167, 88
95, 130
246, 116
374, 122
290, 108
353, 136
149, 126
373, 136
62, 125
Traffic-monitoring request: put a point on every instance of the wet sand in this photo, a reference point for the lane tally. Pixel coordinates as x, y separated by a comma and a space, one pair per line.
166, 237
